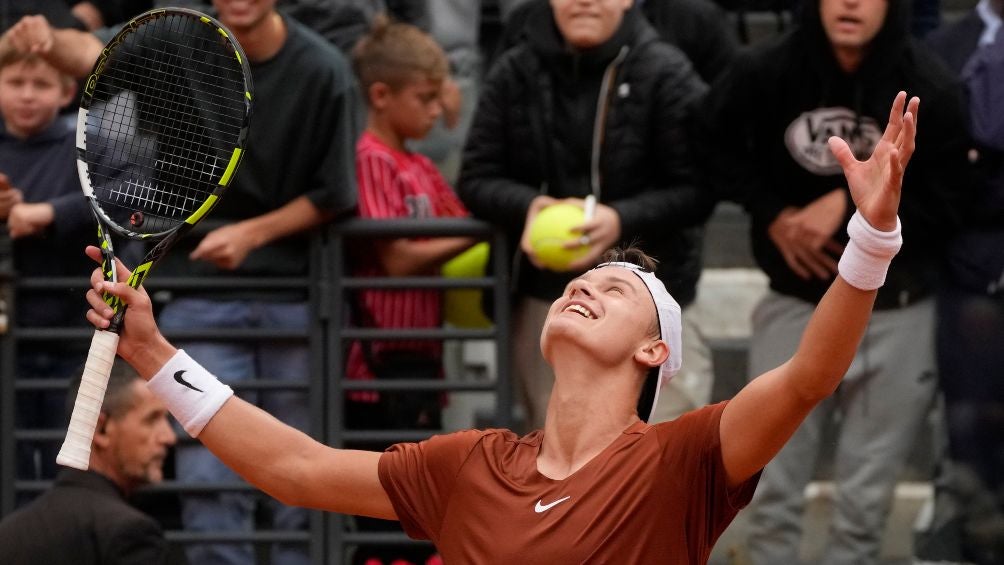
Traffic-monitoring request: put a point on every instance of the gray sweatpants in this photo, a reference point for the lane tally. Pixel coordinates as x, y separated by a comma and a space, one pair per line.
882, 403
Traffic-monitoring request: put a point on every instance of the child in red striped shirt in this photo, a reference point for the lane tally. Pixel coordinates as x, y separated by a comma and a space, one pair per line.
401, 70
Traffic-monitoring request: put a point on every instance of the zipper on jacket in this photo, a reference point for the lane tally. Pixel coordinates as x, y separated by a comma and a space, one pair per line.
602, 106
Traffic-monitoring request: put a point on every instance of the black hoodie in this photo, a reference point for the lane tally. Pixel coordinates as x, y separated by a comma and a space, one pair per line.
535, 132
768, 119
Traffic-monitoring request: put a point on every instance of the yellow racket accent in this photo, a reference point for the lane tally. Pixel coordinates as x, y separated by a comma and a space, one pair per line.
235, 158
203, 210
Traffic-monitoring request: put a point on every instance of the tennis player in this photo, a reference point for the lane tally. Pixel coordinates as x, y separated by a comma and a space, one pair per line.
597, 484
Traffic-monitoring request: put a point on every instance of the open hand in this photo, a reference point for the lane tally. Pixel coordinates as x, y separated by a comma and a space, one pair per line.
9, 196
600, 234
226, 247
876, 184
27, 219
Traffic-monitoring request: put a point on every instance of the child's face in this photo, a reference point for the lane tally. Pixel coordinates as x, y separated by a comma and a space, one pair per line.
31, 94
413, 109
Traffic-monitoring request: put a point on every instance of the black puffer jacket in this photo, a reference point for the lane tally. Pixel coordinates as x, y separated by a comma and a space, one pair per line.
543, 112
769, 117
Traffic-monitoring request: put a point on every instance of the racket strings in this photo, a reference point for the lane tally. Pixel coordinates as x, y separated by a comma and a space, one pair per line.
165, 117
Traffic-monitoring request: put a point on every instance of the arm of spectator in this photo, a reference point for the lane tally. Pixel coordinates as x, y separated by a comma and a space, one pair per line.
486, 185
89, 14
763, 415
276, 458
452, 101
228, 246
69, 50
805, 237
407, 257
9, 196
29, 218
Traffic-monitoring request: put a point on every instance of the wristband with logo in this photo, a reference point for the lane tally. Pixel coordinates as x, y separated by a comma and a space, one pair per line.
869, 252
191, 393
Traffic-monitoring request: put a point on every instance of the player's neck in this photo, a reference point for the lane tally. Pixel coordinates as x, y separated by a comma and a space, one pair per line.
380, 129
583, 416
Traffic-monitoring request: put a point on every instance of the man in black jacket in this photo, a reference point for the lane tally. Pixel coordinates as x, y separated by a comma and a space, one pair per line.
84, 518
591, 104
769, 118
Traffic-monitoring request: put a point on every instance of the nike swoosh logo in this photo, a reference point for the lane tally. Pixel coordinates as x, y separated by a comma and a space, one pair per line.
538, 508
181, 381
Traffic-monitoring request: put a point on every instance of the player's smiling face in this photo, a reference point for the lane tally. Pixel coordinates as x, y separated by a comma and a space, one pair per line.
609, 311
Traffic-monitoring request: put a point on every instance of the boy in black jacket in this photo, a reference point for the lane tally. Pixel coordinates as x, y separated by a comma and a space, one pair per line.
770, 116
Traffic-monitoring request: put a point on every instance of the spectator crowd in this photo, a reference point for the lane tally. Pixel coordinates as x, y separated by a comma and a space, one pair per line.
651, 109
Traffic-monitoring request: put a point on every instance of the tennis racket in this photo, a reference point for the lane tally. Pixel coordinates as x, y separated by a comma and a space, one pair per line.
161, 129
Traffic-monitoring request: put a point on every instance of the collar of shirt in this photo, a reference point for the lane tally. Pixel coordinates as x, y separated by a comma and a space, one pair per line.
991, 21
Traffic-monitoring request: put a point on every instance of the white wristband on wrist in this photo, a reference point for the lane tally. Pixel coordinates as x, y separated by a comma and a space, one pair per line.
191, 393
869, 252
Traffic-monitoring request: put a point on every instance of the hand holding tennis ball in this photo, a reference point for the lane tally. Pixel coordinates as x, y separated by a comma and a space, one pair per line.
550, 233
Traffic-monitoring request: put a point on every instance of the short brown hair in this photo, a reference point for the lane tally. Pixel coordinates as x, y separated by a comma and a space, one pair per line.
393, 53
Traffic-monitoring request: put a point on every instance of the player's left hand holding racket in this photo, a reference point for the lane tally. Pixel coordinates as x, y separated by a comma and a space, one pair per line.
161, 129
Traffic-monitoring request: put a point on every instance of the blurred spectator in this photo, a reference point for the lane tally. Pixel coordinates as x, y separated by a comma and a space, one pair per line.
455, 25
699, 28
48, 219
969, 506
926, 17
84, 518
96, 14
297, 172
770, 117
591, 104
57, 11
401, 71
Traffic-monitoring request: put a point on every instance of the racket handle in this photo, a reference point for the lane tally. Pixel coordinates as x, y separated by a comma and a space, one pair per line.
76, 449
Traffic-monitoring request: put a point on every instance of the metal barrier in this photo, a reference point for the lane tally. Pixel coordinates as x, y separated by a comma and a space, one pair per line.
327, 337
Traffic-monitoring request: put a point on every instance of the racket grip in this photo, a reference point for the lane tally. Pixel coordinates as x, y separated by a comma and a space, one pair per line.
76, 449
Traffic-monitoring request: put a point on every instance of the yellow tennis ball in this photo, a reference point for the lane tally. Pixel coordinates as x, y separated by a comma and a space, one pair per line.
462, 306
552, 230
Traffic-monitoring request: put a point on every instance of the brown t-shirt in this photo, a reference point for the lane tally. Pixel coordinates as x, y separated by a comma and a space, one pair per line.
656, 494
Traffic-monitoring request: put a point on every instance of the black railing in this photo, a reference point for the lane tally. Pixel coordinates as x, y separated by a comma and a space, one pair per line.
328, 286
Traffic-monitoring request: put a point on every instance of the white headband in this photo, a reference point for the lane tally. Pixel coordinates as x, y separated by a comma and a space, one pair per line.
670, 325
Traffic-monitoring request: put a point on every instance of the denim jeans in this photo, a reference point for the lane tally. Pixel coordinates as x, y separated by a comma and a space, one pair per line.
233, 362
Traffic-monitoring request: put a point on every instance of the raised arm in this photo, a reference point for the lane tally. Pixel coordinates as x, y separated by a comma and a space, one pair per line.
764, 415
276, 458
69, 50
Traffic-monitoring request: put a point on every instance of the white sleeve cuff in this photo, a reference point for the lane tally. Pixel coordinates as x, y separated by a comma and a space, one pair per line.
191, 393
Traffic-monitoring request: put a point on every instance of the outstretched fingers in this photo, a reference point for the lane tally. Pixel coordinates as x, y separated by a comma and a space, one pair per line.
908, 142
896, 168
842, 152
895, 125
